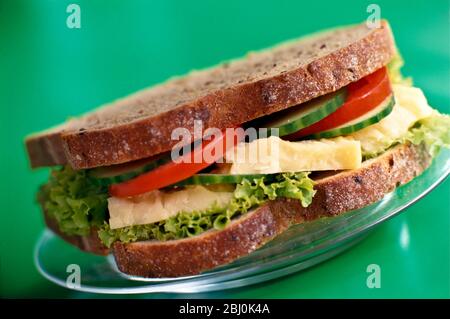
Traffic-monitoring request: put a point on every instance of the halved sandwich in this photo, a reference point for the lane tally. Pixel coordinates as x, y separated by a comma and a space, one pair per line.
205, 168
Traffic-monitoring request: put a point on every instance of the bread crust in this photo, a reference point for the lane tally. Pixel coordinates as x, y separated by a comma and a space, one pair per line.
222, 108
336, 194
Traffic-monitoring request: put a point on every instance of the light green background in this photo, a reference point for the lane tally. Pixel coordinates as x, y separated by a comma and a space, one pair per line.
49, 72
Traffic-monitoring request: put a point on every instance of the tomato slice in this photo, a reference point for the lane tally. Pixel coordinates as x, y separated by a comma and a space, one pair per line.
363, 96
186, 165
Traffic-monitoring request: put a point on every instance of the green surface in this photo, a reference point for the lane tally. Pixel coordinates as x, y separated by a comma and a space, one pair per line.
49, 72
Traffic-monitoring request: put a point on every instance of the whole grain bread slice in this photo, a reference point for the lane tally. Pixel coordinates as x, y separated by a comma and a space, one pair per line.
337, 193
227, 95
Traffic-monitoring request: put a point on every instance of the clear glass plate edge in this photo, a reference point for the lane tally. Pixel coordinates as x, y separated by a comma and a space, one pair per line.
187, 287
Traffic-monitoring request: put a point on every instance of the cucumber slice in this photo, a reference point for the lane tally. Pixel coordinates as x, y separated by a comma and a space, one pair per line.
123, 172
372, 117
210, 179
301, 116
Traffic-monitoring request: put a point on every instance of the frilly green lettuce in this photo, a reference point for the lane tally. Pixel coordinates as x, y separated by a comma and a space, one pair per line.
74, 200
433, 132
394, 71
247, 195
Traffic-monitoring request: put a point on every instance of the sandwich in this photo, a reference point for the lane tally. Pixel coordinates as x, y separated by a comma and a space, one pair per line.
205, 168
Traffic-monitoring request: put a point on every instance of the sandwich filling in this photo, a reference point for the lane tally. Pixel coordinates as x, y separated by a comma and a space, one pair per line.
331, 133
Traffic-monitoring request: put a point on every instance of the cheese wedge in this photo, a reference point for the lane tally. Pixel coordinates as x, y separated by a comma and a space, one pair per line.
411, 106
157, 205
274, 155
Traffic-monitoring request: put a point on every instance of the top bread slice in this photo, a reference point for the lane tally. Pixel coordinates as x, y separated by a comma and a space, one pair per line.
227, 95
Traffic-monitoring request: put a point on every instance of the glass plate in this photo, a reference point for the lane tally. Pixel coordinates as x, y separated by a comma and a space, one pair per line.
300, 247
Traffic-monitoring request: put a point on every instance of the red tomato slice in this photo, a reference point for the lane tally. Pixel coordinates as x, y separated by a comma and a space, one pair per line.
363, 96
187, 165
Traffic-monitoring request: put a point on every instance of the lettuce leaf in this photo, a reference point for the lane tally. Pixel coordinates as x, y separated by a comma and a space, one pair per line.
432, 131
75, 200
247, 195
394, 71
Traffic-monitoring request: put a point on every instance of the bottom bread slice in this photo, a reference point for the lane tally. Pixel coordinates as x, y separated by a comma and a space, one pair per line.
336, 193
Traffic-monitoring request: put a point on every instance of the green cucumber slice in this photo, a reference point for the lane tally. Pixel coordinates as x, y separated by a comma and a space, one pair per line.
122, 172
372, 117
119, 173
210, 179
295, 118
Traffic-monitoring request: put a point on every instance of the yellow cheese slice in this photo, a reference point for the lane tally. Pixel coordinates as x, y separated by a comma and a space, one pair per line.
410, 106
274, 155
157, 205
